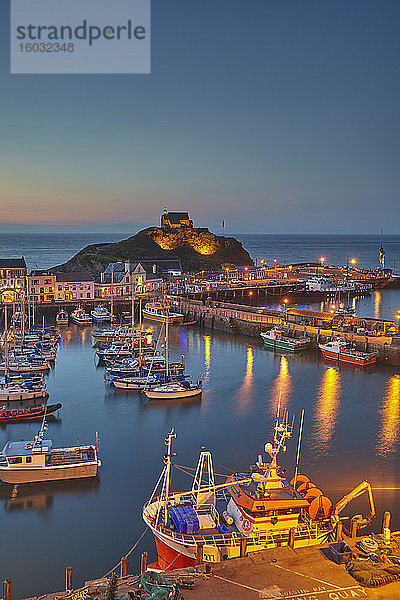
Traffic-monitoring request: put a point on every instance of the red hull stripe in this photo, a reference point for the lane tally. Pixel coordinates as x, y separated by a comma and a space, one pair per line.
169, 559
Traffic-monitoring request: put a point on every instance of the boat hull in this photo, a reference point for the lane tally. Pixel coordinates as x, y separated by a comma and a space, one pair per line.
29, 414
153, 395
55, 473
22, 396
283, 344
350, 359
162, 318
175, 554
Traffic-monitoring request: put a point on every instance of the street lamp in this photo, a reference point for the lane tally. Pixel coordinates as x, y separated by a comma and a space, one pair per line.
321, 260
285, 303
353, 262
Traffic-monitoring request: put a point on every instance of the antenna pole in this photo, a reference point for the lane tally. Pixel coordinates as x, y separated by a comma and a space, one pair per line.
298, 448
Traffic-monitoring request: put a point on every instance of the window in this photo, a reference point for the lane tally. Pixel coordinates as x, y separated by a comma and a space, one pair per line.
60, 287
42, 290
81, 287
28, 459
47, 281
88, 287
74, 287
36, 282
15, 460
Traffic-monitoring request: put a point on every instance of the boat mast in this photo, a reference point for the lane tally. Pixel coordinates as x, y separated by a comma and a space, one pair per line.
133, 310
5, 344
166, 342
167, 461
298, 448
112, 293
140, 334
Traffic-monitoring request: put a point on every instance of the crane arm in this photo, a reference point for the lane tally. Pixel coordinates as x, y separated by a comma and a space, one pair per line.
363, 487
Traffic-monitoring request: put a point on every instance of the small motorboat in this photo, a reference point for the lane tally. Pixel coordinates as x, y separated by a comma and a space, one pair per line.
101, 315
28, 414
10, 392
36, 460
62, 318
174, 390
155, 311
79, 317
340, 350
275, 338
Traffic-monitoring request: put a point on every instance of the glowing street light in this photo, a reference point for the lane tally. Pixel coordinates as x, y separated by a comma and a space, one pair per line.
353, 262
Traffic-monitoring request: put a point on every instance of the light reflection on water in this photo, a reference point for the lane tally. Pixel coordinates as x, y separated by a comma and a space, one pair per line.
245, 392
281, 388
390, 427
327, 408
377, 303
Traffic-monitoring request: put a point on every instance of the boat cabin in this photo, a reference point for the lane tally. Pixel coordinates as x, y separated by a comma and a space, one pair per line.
27, 454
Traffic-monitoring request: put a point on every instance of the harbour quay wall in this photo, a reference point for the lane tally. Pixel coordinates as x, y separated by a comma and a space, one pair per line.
233, 319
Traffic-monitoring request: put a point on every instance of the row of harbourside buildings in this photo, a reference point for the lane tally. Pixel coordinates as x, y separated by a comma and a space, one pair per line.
117, 280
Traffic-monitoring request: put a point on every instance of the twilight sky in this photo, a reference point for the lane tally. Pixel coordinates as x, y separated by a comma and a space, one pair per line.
275, 116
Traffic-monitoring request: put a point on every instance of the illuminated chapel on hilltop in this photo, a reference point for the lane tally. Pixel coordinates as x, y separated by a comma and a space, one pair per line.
171, 221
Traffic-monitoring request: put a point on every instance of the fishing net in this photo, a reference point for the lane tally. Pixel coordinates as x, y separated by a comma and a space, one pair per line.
372, 574
159, 588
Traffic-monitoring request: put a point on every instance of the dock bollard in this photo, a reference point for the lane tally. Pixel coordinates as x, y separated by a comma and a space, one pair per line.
291, 538
7, 589
386, 520
68, 578
199, 560
124, 566
339, 531
143, 563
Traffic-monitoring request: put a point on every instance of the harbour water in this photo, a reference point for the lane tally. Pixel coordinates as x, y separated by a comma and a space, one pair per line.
352, 432
352, 428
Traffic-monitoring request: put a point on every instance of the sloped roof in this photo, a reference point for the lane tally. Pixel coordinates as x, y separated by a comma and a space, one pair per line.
12, 263
176, 217
163, 264
75, 276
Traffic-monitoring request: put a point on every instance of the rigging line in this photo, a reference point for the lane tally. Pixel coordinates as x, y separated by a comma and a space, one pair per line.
129, 553
191, 472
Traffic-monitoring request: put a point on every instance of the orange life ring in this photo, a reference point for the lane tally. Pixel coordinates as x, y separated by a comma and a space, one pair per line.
28, 446
246, 525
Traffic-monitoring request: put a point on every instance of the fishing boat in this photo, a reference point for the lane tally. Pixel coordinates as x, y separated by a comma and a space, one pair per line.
340, 351
155, 311
36, 460
174, 390
275, 338
79, 317
101, 315
249, 511
27, 414
62, 318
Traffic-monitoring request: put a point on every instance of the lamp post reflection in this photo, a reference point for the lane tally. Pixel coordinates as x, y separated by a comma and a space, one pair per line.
245, 391
327, 408
390, 428
377, 303
207, 356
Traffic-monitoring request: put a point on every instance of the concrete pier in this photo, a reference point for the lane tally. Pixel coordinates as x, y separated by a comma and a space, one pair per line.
251, 322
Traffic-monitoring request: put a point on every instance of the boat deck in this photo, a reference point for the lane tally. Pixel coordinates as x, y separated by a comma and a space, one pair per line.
70, 457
